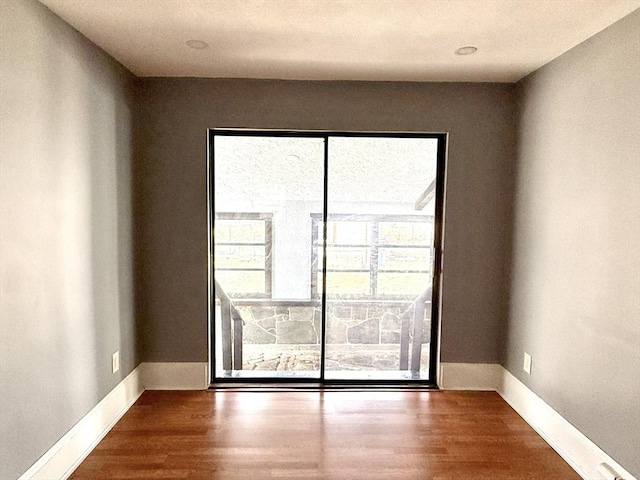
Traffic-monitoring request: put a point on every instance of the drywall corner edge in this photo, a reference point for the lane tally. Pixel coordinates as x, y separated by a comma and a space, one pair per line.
175, 375
469, 376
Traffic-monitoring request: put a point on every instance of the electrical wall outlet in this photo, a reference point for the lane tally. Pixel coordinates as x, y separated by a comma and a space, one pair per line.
608, 473
526, 365
115, 362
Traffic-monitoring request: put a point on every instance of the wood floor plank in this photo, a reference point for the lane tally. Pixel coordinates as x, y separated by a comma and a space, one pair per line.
336, 434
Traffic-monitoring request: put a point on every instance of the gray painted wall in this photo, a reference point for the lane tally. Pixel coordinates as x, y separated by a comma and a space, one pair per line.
66, 282
66, 254
171, 200
576, 251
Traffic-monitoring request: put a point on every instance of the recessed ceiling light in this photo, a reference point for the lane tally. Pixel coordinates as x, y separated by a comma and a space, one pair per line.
197, 44
466, 50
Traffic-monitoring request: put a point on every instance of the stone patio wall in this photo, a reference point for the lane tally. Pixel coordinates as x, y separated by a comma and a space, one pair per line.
358, 323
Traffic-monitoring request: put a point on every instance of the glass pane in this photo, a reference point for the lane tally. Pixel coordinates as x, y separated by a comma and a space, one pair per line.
241, 282
372, 202
280, 178
406, 233
240, 231
346, 283
348, 233
408, 259
412, 284
239, 257
348, 258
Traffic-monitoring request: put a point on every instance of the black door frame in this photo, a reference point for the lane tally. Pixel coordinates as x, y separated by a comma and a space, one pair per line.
437, 267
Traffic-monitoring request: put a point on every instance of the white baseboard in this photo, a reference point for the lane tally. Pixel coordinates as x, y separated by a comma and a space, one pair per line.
470, 376
62, 459
582, 454
175, 376
577, 450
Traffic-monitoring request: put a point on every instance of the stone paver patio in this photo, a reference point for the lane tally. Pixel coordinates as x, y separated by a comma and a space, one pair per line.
348, 358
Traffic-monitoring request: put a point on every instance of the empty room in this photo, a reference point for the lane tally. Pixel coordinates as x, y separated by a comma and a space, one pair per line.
320, 239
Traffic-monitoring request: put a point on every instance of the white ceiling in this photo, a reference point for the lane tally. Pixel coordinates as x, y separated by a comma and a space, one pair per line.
410, 40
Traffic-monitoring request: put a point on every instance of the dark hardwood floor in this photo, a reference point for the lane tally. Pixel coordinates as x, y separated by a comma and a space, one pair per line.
334, 434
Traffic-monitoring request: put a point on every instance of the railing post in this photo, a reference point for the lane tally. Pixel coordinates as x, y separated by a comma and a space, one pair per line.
418, 307
225, 333
416, 347
230, 359
404, 341
237, 340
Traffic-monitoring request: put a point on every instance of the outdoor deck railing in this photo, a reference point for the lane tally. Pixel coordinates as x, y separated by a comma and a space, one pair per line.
232, 323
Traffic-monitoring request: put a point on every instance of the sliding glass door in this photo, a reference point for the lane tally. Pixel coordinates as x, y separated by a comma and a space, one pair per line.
379, 258
324, 257
265, 322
